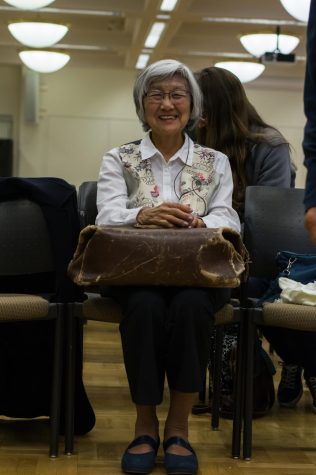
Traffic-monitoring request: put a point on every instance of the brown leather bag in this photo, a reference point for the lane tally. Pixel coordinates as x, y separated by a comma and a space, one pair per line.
126, 255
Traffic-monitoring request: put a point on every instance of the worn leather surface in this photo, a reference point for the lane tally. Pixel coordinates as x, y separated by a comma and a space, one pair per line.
125, 255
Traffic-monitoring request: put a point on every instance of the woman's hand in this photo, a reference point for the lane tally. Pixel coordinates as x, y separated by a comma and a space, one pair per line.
197, 223
169, 215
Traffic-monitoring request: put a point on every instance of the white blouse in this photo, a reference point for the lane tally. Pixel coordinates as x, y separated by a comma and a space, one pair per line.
112, 196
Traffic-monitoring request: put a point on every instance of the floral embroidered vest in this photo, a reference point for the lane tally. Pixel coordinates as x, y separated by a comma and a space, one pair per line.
198, 181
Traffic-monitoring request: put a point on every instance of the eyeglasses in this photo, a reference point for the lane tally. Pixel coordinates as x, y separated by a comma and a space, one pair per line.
156, 97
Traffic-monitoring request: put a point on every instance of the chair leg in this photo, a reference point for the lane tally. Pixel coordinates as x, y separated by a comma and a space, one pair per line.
210, 389
248, 407
56, 382
202, 393
217, 372
70, 380
238, 389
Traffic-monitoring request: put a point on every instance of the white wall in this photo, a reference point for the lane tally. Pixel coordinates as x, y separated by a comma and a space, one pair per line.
10, 100
84, 113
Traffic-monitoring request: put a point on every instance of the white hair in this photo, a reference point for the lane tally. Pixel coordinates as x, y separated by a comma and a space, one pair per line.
161, 70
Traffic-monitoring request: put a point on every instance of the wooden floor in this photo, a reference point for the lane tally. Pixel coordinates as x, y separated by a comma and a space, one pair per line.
284, 443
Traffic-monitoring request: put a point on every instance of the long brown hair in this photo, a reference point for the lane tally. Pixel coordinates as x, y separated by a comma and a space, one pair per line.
231, 124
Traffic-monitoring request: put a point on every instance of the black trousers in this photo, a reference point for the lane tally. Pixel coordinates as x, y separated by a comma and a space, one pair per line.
294, 347
166, 332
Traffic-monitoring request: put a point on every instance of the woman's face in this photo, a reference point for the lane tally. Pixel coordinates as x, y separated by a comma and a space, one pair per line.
167, 106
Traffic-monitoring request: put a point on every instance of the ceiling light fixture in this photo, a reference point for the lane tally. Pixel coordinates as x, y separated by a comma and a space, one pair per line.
297, 9
29, 4
259, 43
44, 61
168, 5
142, 61
162, 16
246, 71
37, 34
154, 34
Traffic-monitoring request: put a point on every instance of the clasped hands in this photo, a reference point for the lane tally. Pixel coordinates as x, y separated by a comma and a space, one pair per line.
170, 215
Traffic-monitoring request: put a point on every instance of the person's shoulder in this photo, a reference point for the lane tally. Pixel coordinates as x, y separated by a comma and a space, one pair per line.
275, 137
130, 145
220, 160
211, 151
134, 142
270, 136
124, 148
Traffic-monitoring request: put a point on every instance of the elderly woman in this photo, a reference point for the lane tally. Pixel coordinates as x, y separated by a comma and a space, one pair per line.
165, 180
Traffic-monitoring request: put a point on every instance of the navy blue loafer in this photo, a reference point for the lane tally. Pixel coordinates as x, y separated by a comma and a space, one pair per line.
140, 463
180, 464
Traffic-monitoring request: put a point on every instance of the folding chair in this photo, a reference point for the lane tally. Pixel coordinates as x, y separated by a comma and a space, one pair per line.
26, 251
274, 221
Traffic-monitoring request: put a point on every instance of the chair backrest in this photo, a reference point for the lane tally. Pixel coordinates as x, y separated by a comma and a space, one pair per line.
273, 221
87, 203
25, 243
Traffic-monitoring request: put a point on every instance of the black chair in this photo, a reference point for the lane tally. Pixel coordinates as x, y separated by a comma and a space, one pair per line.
87, 203
25, 252
107, 310
273, 222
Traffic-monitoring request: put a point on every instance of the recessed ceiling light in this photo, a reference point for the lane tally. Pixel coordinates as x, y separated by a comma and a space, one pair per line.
163, 17
168, 5
154, 34
142, 61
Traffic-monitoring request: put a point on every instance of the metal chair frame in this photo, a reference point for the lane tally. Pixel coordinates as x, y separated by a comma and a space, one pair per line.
273, 222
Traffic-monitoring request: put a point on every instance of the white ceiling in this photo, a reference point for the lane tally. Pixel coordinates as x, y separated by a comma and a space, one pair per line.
111, 33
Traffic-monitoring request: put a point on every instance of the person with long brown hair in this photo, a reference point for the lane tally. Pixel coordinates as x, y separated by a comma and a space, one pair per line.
259, 155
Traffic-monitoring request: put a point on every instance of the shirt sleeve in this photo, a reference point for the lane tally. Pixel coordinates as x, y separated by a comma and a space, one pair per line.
220, 211
112, 193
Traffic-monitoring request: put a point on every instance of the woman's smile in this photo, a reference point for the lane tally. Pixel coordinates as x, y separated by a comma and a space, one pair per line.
167, 106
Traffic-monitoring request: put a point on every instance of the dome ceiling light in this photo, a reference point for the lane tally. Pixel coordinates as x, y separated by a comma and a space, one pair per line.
246, 71
259, 43
44, 61
29, 4
299, 9
37, 34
